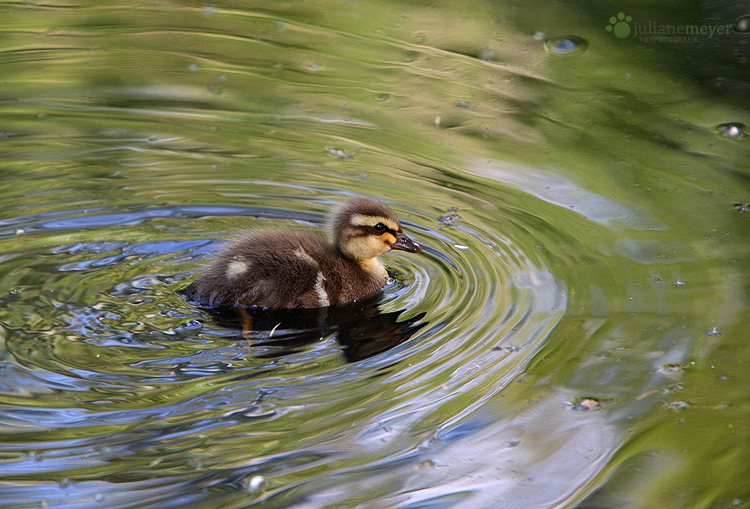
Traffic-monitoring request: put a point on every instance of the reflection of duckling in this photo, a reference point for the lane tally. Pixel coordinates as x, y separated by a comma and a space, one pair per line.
361, 329
303, 270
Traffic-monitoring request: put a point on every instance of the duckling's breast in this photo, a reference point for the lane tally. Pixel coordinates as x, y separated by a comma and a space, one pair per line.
347, 281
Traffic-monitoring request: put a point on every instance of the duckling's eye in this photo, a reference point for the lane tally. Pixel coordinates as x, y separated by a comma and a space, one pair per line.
379, 228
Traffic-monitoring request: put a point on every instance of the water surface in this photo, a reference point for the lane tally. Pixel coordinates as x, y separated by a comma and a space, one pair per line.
572, 335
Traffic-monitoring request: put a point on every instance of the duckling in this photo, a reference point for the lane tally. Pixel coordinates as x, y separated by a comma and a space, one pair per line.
289, 269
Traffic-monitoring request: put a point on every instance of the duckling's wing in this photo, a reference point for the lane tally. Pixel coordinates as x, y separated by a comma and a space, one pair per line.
270, 270
287, 283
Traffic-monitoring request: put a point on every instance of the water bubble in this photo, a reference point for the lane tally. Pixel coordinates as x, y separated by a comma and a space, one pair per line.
255, 484
209, 10
462, 104
732, 130
714, 332
678, 405
337, 152
586, 404
222, 78
450, 218
314, 67
743, 24
383, 97
567, 45
192, 67
539, 35
669, 389
487, 55
670, 369
425, 464
410, 56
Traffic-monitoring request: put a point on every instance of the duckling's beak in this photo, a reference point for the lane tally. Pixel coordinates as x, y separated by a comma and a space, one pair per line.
404, 243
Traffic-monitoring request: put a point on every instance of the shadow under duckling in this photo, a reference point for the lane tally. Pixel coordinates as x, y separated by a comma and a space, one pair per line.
361, 328
291, 269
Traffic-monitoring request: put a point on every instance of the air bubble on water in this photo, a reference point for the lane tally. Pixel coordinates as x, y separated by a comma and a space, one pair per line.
425, 464
742, 25
567, 45
670, 369
337, 152
193, 67
732, 130
255, 484
585, 404
678, 405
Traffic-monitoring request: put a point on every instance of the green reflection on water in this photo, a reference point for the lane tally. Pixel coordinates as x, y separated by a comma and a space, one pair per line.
591, 190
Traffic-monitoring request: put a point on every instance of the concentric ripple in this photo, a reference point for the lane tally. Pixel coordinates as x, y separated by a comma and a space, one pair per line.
108, 354
572, 334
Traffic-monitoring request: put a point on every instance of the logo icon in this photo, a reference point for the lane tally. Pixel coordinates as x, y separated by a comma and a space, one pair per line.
619, 25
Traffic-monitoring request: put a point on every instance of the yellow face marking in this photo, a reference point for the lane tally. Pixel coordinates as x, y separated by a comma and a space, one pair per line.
363, 220
364, 247
387, 238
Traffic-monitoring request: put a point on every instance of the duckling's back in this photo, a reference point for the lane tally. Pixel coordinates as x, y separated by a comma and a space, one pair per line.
283, 270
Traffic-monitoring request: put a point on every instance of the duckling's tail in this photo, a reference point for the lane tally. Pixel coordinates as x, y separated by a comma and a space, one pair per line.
189, 292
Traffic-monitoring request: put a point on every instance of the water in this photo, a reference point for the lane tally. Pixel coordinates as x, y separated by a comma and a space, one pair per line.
573, 333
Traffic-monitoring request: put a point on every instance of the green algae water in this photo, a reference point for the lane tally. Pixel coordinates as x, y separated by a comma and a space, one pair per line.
574, 333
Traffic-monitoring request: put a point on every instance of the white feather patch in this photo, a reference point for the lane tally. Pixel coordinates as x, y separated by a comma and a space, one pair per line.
321, 291
301, 254
236, 268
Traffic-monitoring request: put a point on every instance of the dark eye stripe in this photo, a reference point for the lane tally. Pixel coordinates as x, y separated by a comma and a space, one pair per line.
363, 231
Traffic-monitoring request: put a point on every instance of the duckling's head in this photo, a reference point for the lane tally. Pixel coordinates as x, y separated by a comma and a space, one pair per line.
363, 229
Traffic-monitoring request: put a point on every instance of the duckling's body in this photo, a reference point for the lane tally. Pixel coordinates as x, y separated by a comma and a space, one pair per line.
287, 269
